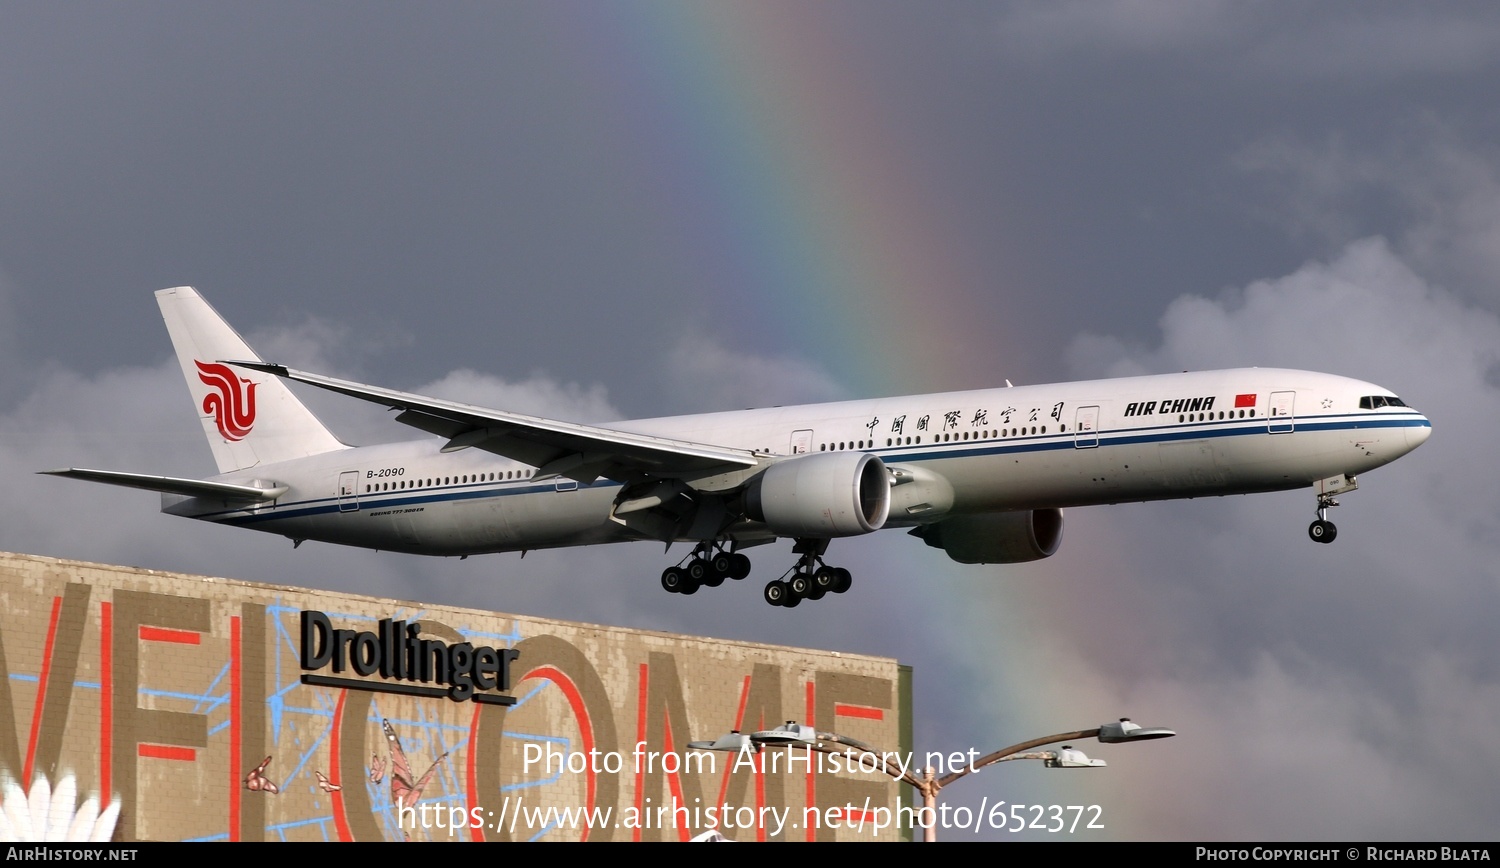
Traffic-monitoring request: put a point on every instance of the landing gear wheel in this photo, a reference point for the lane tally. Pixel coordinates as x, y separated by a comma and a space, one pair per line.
698, 570
825, 580
739, 566
717, 569
844, 580
722, 563
776, 593
1322, 531
800, 586
672, 580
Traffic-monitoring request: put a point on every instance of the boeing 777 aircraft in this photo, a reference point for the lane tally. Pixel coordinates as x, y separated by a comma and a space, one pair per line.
982, 475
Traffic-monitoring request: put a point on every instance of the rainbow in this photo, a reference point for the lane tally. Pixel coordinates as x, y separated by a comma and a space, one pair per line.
780, 167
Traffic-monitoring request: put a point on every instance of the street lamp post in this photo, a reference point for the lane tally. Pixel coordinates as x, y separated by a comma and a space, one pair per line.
792, 734
1120, 731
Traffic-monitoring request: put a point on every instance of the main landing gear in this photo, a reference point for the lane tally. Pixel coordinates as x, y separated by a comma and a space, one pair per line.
810, 579
708, 564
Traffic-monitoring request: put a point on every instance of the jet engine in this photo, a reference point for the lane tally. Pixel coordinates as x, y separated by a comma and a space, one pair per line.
996, 537
824, 495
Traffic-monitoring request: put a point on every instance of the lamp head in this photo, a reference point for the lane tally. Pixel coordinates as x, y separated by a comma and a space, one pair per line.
1127, 730
1069, 757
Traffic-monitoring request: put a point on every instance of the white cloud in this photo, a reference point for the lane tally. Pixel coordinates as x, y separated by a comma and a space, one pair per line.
1308, 753
1439, 196
539, 395
718, 378
1366, 313
325, 348
10, 362
1351, 680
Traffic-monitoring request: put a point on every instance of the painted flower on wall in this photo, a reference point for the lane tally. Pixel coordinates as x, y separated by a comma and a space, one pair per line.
47, 814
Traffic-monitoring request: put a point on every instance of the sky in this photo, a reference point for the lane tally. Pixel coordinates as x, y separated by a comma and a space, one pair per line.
597, 211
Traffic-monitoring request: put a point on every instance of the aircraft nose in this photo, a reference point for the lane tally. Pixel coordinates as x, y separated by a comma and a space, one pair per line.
1417, 434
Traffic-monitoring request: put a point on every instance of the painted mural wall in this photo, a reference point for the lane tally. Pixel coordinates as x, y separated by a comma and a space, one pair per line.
211, 709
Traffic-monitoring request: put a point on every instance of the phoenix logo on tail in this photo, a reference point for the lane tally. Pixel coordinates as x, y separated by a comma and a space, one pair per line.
233, 409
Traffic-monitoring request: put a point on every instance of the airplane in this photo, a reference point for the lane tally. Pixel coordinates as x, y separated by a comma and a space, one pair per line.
982, 475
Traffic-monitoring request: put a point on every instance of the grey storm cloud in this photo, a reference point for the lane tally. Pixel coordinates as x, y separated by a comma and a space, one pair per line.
1317, 41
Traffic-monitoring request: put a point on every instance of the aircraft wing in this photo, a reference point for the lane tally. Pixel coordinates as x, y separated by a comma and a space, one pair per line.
581, 452
173, 484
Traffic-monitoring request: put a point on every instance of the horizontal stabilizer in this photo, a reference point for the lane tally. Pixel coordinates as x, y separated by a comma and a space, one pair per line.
582, 452
173, 484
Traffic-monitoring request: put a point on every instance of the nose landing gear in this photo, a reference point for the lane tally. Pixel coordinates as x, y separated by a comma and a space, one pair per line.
1323, 530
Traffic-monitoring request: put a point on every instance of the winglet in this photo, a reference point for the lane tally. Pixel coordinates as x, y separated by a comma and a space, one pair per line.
278, 370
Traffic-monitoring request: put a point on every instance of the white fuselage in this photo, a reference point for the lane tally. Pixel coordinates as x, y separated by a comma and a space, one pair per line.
995, 450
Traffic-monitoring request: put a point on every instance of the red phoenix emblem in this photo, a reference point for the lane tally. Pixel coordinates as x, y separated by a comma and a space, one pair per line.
233, 408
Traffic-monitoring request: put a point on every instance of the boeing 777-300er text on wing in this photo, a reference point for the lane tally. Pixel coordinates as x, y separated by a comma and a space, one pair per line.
982, 475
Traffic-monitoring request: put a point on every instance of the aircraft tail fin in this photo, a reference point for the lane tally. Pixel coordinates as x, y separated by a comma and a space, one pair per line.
249, 421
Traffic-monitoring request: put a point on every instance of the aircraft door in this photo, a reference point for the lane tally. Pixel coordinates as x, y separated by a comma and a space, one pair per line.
1281, 418
1086, 428
801, 441
349, 491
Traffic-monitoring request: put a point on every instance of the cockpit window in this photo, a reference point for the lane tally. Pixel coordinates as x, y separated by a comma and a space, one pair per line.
1375, 402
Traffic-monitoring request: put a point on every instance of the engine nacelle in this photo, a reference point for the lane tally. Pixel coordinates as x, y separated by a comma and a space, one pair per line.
996, 537
825, 495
